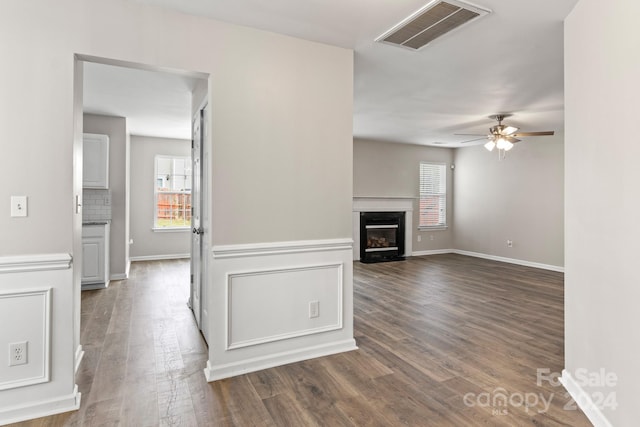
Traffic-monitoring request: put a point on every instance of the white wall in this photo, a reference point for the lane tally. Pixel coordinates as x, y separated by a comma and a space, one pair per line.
520, 198
116, 129
148, 244
281, 115
602, 204
387, 169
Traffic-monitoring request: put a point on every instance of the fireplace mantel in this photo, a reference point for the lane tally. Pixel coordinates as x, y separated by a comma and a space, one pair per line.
383, 204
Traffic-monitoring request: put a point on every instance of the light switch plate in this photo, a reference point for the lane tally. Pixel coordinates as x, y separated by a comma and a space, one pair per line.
18, 206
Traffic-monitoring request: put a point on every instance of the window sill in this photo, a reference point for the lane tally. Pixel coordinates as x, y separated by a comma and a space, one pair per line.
170, 229
435, 228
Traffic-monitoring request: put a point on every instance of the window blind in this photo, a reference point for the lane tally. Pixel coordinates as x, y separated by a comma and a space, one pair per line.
433, 195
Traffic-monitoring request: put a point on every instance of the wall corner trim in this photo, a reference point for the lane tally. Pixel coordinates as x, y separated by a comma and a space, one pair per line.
584, 400
78, 358
46, 262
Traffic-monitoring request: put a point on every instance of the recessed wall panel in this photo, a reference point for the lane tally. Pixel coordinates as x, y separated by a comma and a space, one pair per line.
25, 316
271, 305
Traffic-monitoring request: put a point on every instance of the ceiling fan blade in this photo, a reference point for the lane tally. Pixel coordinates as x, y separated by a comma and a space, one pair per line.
511, 139
471, 140
508, 130
548, 132
470, 134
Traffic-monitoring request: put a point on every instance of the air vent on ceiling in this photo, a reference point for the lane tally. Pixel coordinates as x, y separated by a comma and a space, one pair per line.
430, 22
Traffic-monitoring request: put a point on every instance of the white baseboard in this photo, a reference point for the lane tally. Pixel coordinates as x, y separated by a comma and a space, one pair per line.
584, 401
40, 409
219, 372
433, 252
492, 258
511, 260
159, 257
94, 286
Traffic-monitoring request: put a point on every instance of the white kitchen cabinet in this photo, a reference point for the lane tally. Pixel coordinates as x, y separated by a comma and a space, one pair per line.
95, 256
95, 161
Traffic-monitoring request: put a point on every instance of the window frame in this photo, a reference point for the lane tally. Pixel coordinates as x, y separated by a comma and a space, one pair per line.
157, 193
442, 195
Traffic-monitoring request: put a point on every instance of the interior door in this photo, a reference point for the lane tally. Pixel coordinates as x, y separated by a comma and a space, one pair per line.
196, 214
205, 218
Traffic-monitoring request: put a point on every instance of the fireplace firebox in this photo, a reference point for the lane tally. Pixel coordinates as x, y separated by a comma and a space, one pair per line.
381, 236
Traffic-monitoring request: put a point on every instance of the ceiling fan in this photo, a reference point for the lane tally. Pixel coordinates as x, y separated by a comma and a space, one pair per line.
503, 137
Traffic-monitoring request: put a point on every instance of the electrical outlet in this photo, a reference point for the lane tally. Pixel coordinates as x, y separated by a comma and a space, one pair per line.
18, 353
314, 309
18, 206
509, 243
419, 238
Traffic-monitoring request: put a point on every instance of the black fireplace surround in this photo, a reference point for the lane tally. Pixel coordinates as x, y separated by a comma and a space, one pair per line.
381, 236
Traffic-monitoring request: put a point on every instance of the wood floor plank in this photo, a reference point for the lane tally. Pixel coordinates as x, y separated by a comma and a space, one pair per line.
286, 410
437, 337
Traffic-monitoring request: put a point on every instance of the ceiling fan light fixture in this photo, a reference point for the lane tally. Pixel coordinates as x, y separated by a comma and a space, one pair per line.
501, 143
503, 137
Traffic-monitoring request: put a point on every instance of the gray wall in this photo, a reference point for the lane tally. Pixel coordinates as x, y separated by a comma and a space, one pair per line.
520, 198
387, 169
146, 242
602, 282
282, 155
116, 128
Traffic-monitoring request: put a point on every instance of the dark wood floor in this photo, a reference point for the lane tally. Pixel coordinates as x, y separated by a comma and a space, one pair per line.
445, 340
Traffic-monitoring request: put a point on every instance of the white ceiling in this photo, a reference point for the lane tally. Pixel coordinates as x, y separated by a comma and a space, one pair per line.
510, 61
154, 103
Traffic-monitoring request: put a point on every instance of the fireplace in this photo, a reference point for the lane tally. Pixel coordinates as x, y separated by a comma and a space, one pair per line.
381, 236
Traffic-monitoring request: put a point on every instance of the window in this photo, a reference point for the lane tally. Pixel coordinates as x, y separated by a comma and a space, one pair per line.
172, 192
433, 195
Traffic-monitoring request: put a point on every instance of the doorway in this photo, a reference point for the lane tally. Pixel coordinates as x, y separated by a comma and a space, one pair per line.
149, 119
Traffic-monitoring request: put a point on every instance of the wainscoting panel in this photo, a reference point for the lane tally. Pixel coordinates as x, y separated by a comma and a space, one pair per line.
30, 309
37, 296
271, 305
260, 304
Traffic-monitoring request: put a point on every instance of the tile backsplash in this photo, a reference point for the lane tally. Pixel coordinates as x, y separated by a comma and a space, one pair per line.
96, 205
